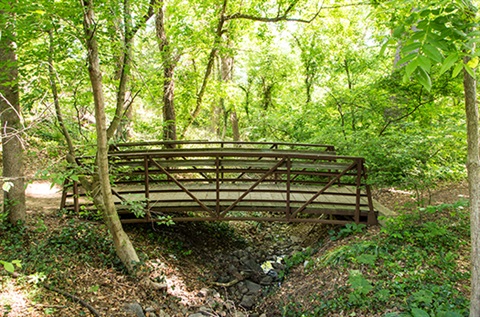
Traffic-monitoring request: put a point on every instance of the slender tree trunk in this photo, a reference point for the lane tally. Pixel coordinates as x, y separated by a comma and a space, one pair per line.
473, 168
103, 192
169, 62
209, 68
227, 74
124, 71
56, 101
124, 131
14, 199
234, 122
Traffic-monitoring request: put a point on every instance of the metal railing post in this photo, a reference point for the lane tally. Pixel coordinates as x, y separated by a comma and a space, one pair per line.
358, 191
217, 186
289, 169
146, 160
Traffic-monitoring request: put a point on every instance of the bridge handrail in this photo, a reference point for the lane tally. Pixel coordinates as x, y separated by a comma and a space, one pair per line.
222, 144
246, 169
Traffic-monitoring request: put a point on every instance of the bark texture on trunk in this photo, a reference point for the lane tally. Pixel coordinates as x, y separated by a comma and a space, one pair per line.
101, 190
56, 99
13, 168
124, 71
169, 62
473, 169
227, 63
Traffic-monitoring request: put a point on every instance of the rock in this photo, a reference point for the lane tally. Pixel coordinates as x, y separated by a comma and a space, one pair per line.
196, 315
252, 265
267, 280
253, 288
295, 239
229, 305
205, 292
205, 309
278, 266
248, 301
232, 270
151, 314
242, 288
135, 308
239, 314
162, 313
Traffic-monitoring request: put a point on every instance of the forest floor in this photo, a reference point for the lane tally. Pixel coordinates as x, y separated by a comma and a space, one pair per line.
186, 259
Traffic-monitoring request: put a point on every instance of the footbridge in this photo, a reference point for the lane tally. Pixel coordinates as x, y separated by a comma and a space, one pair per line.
233, 181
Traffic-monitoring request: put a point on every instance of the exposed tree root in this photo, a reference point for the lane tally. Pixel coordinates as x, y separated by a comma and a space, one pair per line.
231, 283
73, 298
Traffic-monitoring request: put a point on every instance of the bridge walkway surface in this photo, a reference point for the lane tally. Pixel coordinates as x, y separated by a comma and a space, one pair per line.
233, 181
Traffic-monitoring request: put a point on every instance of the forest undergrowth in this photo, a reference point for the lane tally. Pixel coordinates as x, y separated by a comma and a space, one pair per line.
415, 265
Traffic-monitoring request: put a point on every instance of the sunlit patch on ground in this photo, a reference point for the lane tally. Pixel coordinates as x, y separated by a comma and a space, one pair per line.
13, 301
43, 190
175, 284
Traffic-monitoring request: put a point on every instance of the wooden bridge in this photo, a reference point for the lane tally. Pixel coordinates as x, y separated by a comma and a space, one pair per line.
212, 181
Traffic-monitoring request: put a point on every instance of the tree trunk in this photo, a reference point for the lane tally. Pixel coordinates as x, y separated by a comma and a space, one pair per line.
56, 99
14, 199
102, 191
169, 62
124, 73
234, 122
227, 74
473, 169
169, 117
209, 68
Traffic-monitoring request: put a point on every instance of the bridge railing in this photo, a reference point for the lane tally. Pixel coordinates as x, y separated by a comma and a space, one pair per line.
207, 184
203, 144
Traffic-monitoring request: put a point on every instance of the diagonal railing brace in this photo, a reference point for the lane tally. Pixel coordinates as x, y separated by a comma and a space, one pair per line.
248, 191
330, 183
189, 193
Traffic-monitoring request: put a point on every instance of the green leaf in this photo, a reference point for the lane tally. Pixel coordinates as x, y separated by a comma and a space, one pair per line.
7, 186
359, 283
473, 34
432, 53
423, 78
385, 46
457, 69
424, 63
8, 266
449, 314
473, 63
398, 31
410, 68
469, 70
417, 312
448, 62
411, 47
407, 58
367, 259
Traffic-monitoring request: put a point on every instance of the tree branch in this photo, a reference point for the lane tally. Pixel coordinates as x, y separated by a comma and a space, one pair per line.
74, 298
284, 16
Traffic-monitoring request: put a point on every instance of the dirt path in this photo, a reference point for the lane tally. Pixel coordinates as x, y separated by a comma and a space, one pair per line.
42, 196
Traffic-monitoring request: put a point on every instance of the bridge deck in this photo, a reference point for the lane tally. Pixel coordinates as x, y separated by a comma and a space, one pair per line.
214, 184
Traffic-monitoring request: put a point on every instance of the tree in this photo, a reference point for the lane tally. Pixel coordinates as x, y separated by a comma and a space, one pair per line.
446, 34
104, 199
14, 198
169, 61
